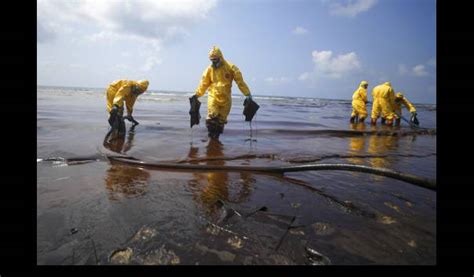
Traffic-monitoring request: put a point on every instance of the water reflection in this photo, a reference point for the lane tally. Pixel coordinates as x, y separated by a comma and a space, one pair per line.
357, 143
382, 146
121, 180
218, 185
379, 146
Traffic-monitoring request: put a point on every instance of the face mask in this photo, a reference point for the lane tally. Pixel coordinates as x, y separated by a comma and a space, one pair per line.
216, 63
136, 90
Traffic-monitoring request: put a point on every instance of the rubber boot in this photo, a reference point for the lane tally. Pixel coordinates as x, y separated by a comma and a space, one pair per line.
373, 121
219, 130
212, 127
121, 126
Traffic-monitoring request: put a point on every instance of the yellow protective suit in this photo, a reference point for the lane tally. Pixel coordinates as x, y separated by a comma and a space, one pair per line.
359, 98
399, 100
383, 102
122, 91
219, 83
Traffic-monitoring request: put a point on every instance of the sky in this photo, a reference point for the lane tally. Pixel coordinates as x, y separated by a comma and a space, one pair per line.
313, 48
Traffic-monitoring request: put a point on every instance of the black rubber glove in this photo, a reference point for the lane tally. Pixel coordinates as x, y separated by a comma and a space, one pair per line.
131, 119
193, 98
413, 119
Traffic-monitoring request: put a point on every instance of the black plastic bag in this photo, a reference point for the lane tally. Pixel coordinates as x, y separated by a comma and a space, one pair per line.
250, 109
194, 110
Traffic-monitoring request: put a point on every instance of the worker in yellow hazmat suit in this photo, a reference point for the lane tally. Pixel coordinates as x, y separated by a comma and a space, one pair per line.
383, 104
121, 91
217, 78
400, 100
359, 99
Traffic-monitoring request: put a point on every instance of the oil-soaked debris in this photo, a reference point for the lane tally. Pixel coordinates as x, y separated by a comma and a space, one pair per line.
235, 242
316, 258
121, 256
160, 256
297, 232
145, 233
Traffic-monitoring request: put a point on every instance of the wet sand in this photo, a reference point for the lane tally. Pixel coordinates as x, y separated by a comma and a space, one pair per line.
92, 211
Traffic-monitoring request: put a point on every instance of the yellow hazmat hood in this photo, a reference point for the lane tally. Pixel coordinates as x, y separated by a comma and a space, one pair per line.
215, 53
143, 85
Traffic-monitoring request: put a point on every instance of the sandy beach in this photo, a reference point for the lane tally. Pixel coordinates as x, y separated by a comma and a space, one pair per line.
92, 211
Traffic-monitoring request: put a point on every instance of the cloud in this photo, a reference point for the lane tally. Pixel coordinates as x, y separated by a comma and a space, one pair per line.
300, 30
278, 80
350, 8
326, 65
150, 63
419, 71
148, 19
147, 24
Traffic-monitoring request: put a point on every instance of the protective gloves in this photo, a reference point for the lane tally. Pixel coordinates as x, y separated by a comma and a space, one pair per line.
413, 119
131, 119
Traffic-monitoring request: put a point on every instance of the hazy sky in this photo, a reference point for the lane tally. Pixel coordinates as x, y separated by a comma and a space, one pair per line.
318, 48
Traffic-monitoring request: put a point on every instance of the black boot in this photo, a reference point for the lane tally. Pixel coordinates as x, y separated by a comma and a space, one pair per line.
212, 127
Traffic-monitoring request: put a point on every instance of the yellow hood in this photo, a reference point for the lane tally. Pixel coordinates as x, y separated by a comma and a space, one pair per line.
363, 83
143, 85
215, 53
388, 84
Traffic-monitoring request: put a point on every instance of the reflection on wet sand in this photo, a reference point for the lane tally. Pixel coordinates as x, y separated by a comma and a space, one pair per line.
380, 145
377, 146
215, 186
357, 143
124, 181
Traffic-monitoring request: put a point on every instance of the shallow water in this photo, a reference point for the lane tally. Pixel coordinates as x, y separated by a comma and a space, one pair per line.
95, 212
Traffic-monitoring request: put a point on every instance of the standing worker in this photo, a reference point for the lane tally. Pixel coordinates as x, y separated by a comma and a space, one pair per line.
218, 77
383, 104
121, 91
399, 100
359, 99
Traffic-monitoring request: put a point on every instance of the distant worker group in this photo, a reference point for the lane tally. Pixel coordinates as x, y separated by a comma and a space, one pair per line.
385, 105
